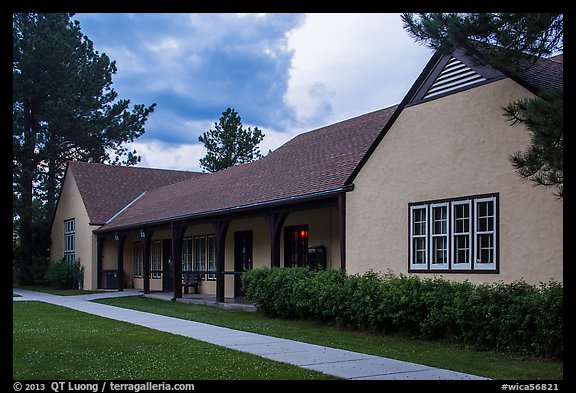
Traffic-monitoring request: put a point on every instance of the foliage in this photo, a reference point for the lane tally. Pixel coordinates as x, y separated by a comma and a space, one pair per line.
542, 161
515, 317
63, 108
229, 143
63, 274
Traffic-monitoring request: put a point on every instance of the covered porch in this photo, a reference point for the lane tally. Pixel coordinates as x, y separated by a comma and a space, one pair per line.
219, 247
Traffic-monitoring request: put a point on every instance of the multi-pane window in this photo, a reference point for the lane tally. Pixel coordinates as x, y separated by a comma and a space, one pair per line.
439, 236
70, 240
138, 259
418, 237
156, 259
485, 229
461, 235
187, 254
454, 235
204, 255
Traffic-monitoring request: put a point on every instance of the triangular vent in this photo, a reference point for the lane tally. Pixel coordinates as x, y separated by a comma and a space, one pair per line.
454, 76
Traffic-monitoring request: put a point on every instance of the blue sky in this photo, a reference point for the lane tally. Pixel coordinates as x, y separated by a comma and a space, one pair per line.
283, 73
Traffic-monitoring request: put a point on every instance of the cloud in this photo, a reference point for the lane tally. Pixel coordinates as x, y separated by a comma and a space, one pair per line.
284, 73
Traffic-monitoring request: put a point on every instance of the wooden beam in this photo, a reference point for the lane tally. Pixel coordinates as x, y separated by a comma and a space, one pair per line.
99, 248
146, 259
177, 238
342, 229
120, 239
275, 223
221, 228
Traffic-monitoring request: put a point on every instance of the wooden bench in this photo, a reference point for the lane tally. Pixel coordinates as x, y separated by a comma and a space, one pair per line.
190, 279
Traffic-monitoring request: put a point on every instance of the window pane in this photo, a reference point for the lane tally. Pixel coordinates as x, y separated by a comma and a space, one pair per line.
419, 220
439, 250
419, 245
212, 256
440, 217
485, 248
462, 249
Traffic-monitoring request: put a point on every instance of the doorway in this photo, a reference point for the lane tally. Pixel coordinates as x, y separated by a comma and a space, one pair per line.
296, 246
242, 258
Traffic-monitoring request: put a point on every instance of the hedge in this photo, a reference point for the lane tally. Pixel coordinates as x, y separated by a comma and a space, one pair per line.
516, 317
64, 274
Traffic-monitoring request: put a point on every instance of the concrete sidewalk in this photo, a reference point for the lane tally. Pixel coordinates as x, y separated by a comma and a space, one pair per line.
337, 362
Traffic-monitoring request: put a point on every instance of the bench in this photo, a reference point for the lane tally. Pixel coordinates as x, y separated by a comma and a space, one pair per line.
190, 279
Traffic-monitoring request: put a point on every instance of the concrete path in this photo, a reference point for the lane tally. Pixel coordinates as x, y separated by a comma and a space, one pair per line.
338, 362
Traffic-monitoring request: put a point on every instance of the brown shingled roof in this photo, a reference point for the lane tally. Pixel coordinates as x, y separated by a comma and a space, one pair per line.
106, 189
311, 163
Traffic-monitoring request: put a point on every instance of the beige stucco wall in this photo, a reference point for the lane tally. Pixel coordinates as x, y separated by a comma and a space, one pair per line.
70, 206
454, 146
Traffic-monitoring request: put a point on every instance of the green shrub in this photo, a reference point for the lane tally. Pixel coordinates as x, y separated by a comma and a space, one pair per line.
516, 317
65, 275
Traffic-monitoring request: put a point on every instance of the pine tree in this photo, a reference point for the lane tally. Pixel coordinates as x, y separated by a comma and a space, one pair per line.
229, 143
64, 108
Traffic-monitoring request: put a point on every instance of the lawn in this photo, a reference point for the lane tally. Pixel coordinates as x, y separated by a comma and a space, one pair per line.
57, 343
444, 355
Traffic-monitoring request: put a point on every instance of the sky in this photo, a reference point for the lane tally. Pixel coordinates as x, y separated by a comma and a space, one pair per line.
283, 73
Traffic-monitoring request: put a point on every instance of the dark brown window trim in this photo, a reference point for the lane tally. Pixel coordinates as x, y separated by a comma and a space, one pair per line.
428, 270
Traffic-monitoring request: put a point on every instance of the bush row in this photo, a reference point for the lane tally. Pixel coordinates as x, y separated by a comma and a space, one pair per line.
65, 275
516, 317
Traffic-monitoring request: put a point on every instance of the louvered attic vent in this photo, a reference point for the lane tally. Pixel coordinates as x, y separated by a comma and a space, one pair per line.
454, 76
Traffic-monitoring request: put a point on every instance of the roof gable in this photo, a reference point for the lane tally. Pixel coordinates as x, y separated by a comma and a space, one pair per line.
107, 189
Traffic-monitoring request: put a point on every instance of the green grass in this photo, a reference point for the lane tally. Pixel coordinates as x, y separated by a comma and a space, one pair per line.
57, 343
444, 355
54, 291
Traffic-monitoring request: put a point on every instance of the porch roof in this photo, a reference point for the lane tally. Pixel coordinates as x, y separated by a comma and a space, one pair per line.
313, 163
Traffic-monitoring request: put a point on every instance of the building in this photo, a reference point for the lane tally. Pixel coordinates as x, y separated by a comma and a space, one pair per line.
424, 187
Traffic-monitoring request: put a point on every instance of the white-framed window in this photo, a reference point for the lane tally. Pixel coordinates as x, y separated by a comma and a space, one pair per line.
200, 253
461, 235
138, 259
156, 259
439, 226
70, 240
458, 234
187, 254
418, 237
485, 233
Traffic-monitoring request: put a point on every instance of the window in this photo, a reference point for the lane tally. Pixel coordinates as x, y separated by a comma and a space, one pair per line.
187, 254
458, 234
204, 255
70, 240
418, 237
156, 259
138, 259
439, 236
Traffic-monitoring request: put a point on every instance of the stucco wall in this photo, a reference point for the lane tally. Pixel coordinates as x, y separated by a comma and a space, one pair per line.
454, 146
70, 206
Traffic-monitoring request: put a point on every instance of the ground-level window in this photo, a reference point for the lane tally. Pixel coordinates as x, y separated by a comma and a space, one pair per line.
459, 234
296, 246
138, 259
187, 254
70, 240
202, 248
156, 259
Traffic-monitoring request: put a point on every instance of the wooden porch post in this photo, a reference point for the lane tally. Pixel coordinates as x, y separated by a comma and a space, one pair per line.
177, 238
121, 239
342, 229
275, 223
221, 228
99, 248
146, 259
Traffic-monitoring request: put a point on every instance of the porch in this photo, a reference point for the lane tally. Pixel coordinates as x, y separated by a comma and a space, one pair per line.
237, 303
221, 247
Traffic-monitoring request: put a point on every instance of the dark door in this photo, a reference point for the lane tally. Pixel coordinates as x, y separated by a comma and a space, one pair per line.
296, 246
167, 284
242, 257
